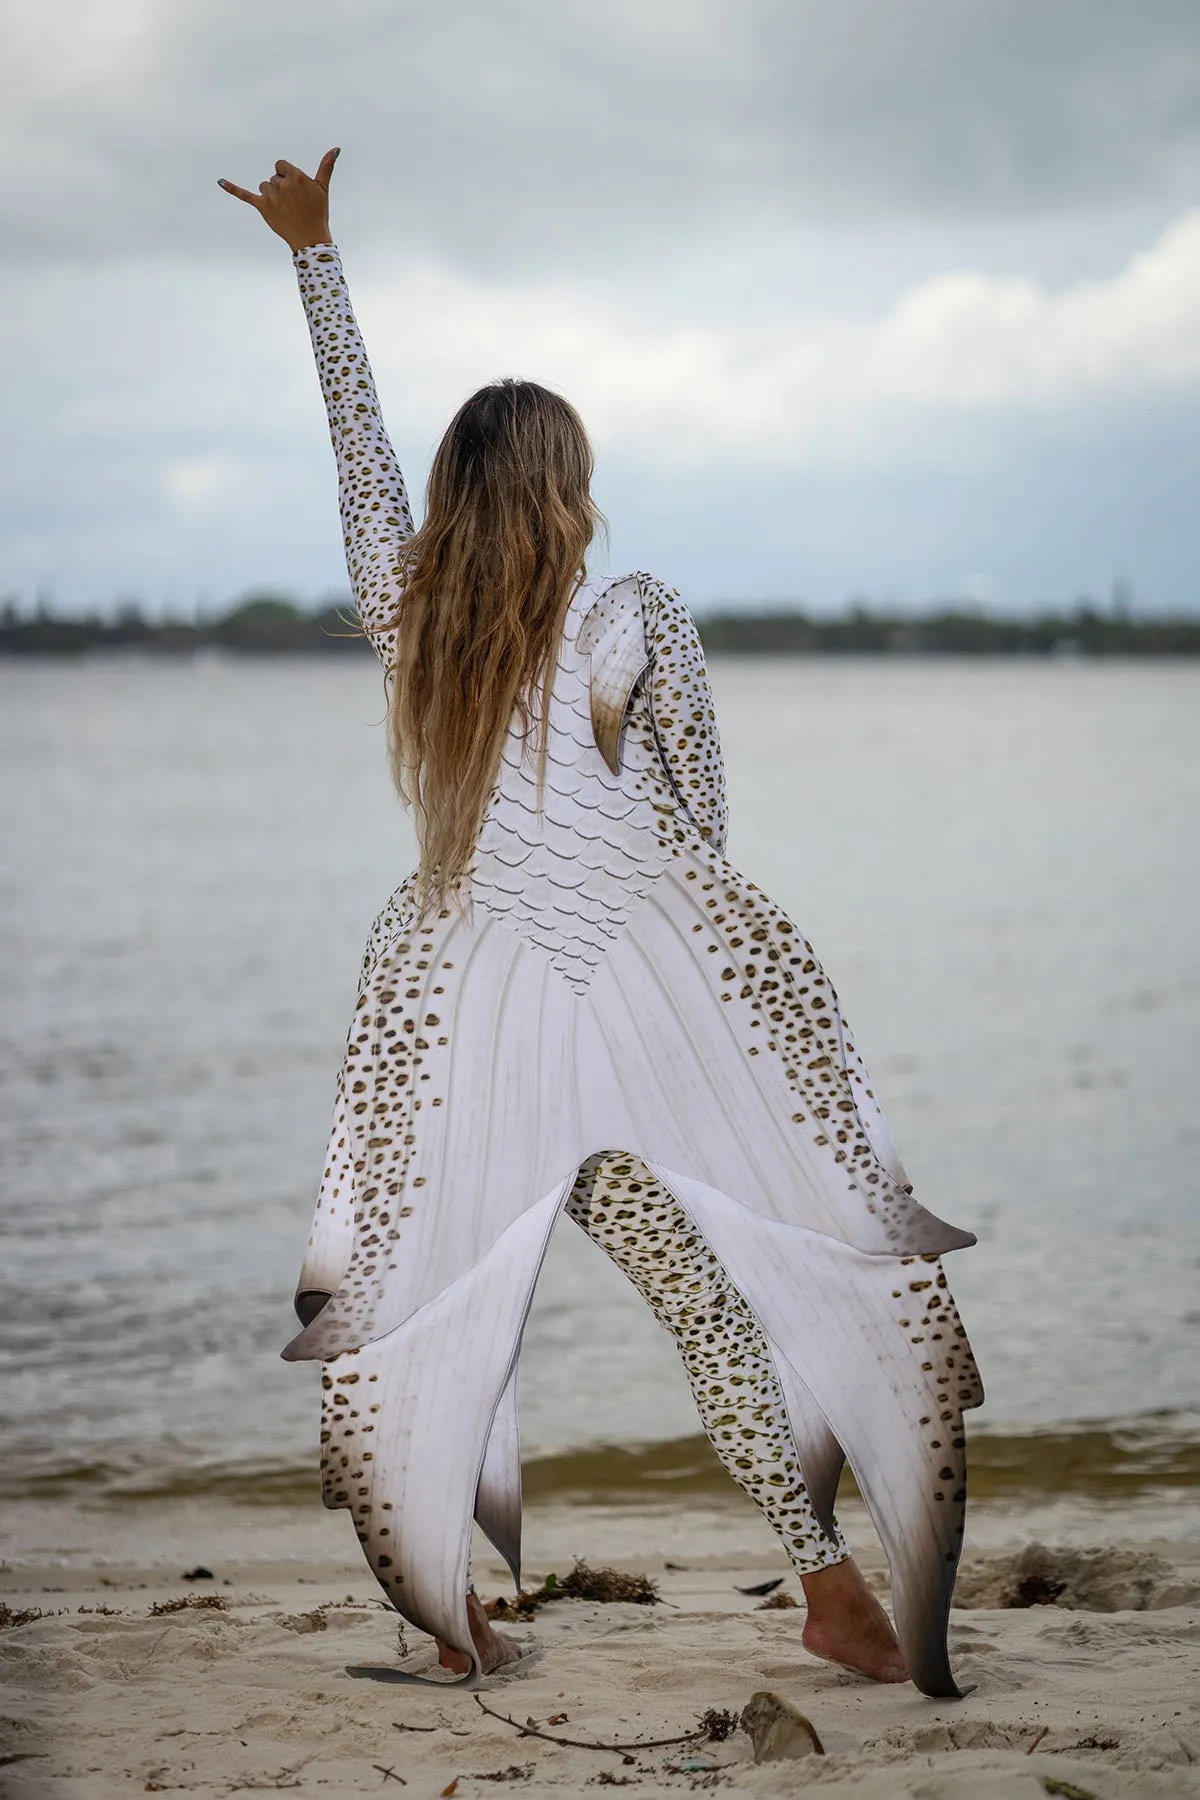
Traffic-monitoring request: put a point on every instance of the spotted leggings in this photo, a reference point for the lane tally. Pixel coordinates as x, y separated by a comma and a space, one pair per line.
644, 1230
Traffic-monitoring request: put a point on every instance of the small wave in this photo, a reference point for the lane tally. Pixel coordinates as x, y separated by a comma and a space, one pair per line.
1093, 1460
140, 1474
1097, 1460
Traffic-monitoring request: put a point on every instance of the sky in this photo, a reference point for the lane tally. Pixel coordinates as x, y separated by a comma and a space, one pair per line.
860, 302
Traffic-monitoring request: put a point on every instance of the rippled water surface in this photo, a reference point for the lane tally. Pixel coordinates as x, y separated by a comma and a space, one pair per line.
999, 863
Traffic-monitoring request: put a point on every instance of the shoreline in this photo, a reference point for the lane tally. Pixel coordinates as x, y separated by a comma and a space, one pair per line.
1116, 1458
154, 1534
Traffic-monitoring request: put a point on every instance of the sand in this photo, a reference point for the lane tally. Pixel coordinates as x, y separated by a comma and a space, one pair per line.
289, 1680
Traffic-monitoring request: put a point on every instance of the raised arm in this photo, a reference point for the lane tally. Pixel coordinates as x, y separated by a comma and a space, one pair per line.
681, 706
376, 519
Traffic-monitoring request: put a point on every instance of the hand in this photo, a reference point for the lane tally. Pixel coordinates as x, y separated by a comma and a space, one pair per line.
294, 205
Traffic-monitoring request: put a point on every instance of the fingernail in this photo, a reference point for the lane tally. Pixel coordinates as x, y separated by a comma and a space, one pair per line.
221, 182
337, 153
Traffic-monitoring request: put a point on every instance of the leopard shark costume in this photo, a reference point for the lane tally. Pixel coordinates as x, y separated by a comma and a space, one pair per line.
615, 1023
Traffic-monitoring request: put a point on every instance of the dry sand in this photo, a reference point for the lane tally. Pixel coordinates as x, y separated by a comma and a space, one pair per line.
286, 1685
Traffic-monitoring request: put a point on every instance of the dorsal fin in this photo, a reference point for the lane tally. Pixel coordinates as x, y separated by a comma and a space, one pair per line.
613, 634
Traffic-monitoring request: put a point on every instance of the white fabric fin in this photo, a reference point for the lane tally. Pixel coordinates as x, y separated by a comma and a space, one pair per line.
820, 1455
613, 634
963, 1370
437, 1382
331, 1240
498, 1497
857, 1327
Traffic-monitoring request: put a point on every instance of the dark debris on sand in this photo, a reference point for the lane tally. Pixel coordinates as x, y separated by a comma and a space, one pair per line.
190, 1603
19, 1615
717, 1724
1102, 1578
583, 1583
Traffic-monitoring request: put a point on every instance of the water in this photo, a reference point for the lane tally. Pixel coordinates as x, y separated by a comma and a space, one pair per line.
999, 864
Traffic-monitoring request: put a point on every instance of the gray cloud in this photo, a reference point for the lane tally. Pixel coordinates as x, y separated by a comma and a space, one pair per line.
697, 193
564, 133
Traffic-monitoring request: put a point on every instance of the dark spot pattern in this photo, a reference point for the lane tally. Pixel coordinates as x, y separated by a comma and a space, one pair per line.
727, 1359
565, 861
376, 516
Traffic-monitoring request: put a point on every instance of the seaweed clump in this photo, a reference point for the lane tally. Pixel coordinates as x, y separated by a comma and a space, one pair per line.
583, 1583
190, 1603
718, 1724
1034, 1590
19, 1615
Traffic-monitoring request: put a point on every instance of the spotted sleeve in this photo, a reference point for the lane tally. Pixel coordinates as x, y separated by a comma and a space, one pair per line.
681, 706
376, 518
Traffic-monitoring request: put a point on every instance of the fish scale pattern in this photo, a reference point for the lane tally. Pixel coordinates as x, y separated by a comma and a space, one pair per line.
567, 848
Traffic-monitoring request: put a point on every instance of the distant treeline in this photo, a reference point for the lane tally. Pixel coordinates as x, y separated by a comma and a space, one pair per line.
267, 624
951, 632
260, 625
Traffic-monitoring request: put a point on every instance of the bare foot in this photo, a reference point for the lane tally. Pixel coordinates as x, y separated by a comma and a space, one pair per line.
847, 1625
492, 1647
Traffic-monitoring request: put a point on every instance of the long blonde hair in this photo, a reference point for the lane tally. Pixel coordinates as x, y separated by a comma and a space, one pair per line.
486, 584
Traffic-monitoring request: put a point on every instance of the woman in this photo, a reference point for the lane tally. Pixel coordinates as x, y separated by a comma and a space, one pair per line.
576, 1003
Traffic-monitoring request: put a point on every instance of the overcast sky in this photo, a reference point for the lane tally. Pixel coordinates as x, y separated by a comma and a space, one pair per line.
858, 298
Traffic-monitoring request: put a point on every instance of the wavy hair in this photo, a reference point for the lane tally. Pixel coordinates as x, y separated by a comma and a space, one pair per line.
486, 584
